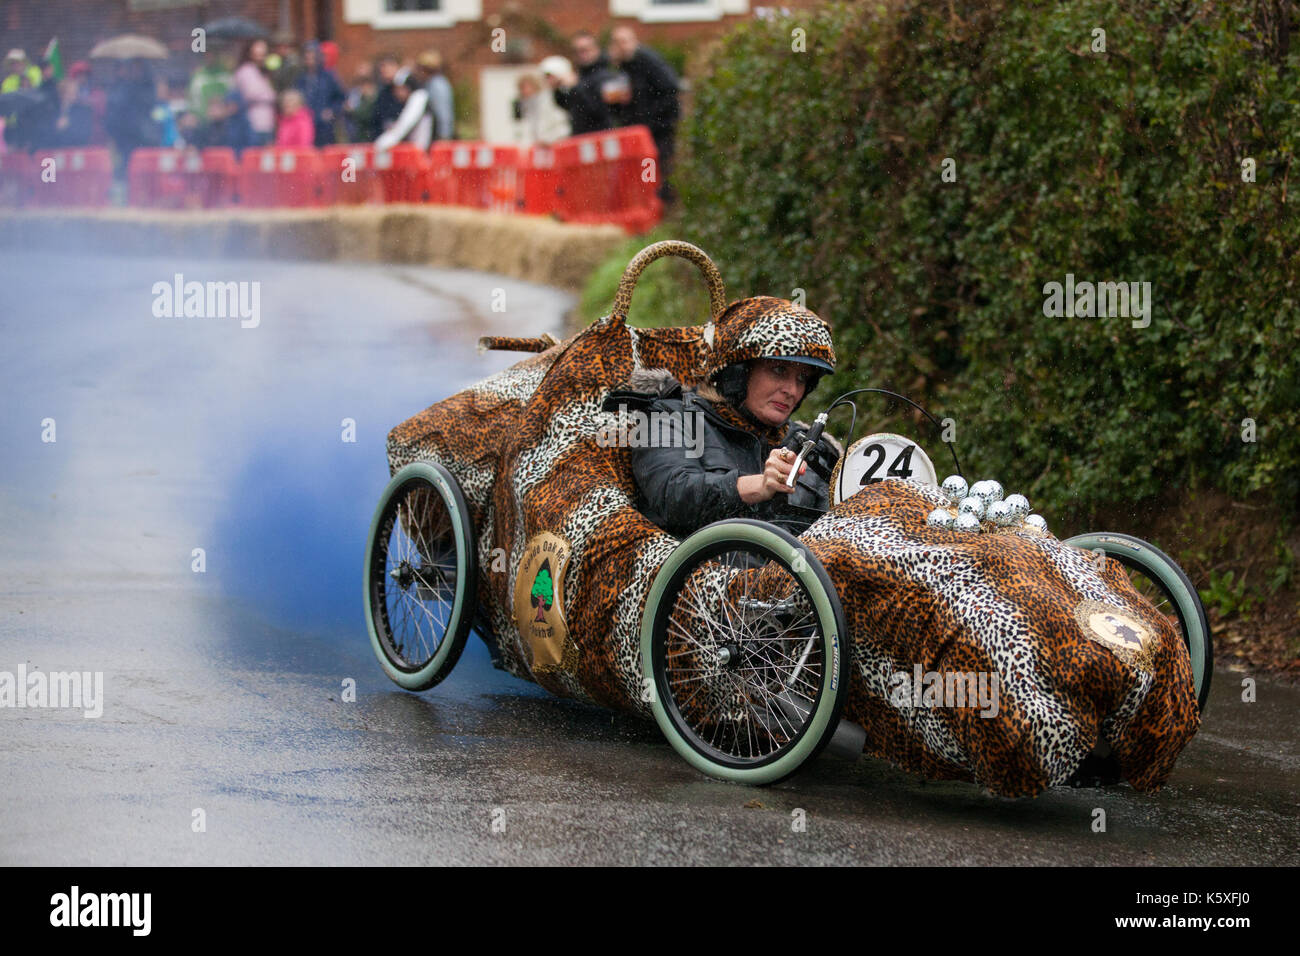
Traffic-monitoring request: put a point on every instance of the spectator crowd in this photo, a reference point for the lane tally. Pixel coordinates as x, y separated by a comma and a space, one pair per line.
279, 93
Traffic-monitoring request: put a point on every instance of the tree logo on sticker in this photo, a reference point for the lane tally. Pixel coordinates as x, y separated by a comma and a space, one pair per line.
539, 602
543, 592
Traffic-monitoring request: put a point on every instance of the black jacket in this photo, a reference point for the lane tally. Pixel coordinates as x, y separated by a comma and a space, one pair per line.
654, 93
387, 109
585, 104
682, 492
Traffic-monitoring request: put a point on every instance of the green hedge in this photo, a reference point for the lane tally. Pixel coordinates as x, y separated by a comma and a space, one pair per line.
821, 170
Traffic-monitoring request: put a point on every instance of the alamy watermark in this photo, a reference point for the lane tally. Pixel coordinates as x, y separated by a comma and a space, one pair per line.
129, 910
56, 689
1106, 300
179, 299
633, 428
974, 689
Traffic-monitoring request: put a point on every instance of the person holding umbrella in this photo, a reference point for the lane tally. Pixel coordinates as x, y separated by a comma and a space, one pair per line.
128, 117
128, 110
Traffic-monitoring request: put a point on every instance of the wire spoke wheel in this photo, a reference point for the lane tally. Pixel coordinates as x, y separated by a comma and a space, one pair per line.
742, 634
420, 576
1155, 594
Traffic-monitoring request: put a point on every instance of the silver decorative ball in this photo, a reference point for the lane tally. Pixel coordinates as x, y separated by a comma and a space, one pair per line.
940, 518
1019, 505
989, 490
1036, 521
954, 486
1000, 513
967, 522
973, 506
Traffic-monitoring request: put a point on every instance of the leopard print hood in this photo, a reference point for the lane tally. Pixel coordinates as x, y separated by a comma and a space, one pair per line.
768, 327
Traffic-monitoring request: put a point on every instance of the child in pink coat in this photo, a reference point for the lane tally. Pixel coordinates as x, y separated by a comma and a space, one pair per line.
296, 125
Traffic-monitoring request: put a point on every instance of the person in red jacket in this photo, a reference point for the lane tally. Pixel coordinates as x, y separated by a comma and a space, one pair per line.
297, 128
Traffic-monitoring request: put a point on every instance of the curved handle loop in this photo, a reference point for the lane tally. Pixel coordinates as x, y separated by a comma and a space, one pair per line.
669, 247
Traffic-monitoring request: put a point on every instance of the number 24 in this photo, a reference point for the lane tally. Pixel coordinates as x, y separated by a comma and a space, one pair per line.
900, 468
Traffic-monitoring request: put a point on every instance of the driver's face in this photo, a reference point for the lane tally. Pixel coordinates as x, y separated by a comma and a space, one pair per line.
775, 388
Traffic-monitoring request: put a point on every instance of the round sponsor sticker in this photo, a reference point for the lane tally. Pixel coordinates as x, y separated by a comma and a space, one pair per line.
1119, 630
539, 601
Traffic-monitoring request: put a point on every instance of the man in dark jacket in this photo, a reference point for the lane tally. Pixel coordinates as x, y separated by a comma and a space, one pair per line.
653, 97
128, 117
718, 451
583, 96
321, 91
75, 123
387, 106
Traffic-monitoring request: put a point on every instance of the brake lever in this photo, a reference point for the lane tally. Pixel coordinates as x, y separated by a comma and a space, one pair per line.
809, 443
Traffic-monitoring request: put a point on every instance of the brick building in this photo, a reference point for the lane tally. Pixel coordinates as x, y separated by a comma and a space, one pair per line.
464, 31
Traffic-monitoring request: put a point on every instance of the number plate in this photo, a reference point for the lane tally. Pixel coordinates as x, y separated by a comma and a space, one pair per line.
880, 456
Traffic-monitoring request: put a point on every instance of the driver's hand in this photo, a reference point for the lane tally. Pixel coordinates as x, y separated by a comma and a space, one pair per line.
764, 487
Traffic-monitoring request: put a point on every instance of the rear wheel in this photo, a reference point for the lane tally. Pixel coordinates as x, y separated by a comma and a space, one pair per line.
743, 636
421, 576
1162, 582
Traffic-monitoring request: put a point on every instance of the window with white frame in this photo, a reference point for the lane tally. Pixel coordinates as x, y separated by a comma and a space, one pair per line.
405, 6
411, 14
677, 11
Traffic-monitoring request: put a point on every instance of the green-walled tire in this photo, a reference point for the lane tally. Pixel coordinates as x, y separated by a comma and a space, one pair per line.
421, 576
1173, 595
772, 667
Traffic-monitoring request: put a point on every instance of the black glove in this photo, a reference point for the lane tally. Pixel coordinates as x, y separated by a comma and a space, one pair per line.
823, 456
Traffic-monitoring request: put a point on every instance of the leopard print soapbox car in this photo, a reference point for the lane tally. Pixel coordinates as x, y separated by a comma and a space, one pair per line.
989, 651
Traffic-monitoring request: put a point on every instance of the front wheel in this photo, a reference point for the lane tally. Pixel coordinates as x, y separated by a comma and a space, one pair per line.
743, 635
421, 576
1161, 581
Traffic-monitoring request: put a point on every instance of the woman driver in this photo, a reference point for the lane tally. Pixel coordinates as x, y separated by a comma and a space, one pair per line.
768, 355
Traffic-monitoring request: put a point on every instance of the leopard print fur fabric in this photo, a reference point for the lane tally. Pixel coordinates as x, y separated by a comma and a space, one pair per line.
523, 445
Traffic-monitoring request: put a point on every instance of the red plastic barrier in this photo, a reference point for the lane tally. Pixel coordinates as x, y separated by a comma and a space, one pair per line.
602, 178
350, 175
278, 177
15, 180
539, 181
599, 177
482, 175
224, 178
404, 172
183, 179
80, 176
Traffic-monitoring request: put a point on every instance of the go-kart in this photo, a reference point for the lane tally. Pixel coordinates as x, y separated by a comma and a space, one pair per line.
933, 624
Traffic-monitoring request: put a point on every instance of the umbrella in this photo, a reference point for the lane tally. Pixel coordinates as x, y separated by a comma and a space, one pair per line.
235, 28
130, 46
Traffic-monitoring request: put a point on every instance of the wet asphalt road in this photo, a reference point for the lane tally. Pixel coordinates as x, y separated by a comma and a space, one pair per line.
223, 689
